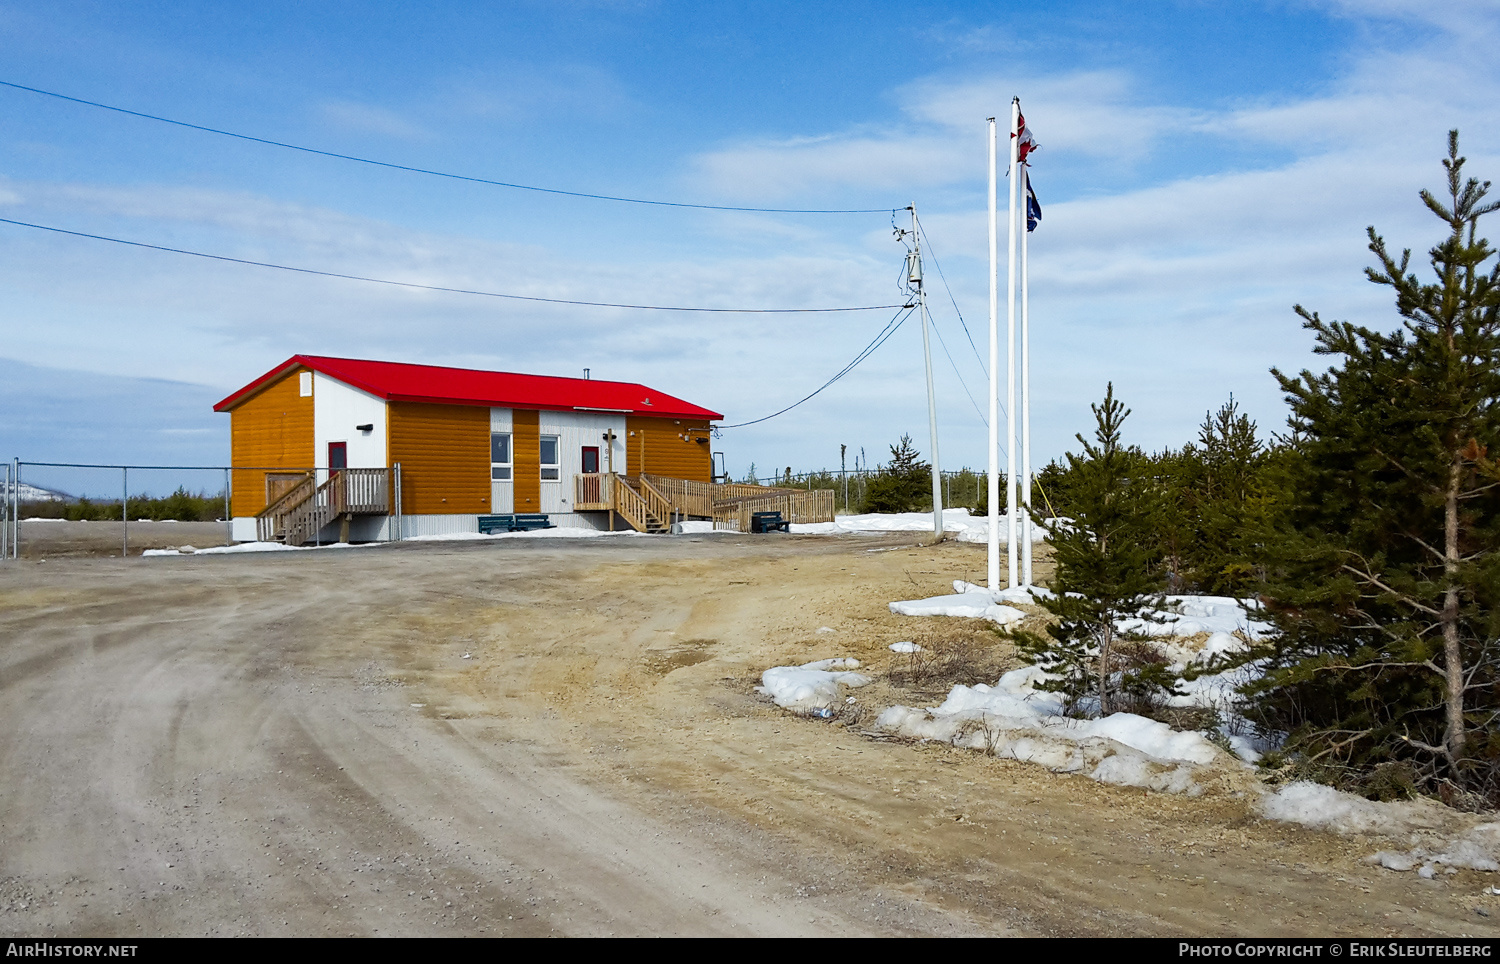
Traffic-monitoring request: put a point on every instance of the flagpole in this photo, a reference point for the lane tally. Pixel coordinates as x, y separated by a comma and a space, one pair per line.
1010, 352
1025, 187
993, 555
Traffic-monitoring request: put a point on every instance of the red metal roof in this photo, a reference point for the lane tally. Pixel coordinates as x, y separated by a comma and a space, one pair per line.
399, 382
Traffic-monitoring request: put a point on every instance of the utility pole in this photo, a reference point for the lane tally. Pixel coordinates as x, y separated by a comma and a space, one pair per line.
844, 473
914, 282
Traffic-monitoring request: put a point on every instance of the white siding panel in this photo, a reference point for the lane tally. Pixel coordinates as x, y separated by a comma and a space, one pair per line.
337, 409
437, 525
502, 494
574, 431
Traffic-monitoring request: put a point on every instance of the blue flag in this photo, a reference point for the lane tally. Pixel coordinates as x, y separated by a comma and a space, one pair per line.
1033, 206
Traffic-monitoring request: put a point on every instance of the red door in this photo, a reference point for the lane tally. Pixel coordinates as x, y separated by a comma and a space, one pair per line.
338, 455
590, 459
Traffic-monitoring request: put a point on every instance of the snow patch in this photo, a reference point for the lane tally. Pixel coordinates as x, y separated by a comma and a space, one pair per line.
1191, 615
905, 647
811, 688
970, 605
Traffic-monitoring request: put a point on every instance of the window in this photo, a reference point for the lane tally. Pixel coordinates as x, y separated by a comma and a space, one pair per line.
550, 470
500, 464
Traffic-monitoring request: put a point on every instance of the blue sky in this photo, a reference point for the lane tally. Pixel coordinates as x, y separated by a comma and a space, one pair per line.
1203, 167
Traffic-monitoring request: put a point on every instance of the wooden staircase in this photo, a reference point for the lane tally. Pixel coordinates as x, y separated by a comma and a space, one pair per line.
304, 510
640, 504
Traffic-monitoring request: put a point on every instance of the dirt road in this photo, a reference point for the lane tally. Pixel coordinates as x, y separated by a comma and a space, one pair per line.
562, 737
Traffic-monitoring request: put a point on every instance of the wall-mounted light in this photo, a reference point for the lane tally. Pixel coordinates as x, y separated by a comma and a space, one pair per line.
367, 427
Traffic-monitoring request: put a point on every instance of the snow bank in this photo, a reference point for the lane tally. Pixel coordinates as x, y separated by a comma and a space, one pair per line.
1219, 692
812, 687
1324, 808
967, 528
1016, 721
255, 547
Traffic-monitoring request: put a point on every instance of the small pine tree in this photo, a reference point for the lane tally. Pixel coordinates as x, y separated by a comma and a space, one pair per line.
1104, 564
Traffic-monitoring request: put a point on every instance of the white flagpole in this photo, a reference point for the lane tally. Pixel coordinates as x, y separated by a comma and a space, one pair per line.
1010, 354
1025, 188
993, 555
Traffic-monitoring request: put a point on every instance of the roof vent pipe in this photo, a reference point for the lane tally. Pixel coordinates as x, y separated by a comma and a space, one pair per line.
585, 374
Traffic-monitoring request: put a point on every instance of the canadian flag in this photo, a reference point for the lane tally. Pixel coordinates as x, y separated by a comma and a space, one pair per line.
1025, 143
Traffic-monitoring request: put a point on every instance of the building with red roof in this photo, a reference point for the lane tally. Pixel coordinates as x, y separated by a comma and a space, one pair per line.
347, 448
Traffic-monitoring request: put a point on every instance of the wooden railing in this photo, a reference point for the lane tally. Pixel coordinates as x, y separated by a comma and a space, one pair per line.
591, 492
364, 491
742, 490
687, 497
657, 504
299, 515
794, 505
272, 518
654, 500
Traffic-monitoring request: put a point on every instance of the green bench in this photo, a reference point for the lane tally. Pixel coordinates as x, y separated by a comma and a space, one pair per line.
769, 522
514, 522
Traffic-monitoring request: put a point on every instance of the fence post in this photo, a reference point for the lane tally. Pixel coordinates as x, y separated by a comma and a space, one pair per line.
398, 502
124, 512
228, 517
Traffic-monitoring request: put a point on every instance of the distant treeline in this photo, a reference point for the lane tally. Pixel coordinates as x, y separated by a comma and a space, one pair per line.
182, 505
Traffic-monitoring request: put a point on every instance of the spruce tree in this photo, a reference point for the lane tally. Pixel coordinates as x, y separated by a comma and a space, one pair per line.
1104, 562
905, 485
1385, 601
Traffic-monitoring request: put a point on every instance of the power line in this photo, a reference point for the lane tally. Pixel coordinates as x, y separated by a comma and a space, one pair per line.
982, 366
937, 331
885, 333
422, 170
457, 291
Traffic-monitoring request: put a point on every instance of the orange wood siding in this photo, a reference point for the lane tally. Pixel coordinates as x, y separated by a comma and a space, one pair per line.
671, 448
272, 428
444, 451
526, 449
